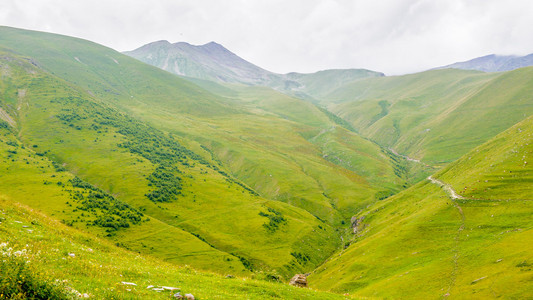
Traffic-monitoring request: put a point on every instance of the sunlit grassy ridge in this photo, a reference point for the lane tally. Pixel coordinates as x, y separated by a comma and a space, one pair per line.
423, 244
436, 116
501, 169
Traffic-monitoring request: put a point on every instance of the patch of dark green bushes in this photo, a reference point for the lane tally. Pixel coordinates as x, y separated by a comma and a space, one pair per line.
160, 149
301, 257
275, 219
109, 212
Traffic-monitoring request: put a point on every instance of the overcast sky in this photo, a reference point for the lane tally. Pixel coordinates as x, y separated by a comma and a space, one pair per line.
391, 36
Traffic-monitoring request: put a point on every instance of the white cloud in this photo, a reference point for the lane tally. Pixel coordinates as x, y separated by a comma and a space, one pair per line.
393, 36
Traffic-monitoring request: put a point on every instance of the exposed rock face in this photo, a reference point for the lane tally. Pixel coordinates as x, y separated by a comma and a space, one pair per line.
299, 280
189, 297
355, 223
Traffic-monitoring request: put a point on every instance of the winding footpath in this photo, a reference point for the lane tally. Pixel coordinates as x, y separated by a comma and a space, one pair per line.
452, 194
447, 188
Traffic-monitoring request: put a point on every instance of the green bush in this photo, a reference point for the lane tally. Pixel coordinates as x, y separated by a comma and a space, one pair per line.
19, 281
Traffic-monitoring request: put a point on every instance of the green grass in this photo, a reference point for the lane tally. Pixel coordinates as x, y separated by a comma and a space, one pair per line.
436, 116
98, 268
255, 183
121, 125
500, 169
422, 244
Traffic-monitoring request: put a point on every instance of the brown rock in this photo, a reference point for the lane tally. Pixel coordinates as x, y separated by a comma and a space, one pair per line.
356, 223
299, 280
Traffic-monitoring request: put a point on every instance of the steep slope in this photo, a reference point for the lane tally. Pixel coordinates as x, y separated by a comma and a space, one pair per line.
429, 242
188, 197
198, 165
493, 63
435, 116
215, 63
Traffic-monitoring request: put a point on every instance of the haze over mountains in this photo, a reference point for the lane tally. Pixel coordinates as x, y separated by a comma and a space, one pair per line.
214, 62
414, 186
494, 63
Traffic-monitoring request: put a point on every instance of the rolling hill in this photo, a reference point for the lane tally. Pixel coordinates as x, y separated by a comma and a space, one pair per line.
227, 182
245, 184
435, 116
429, 242
43, 258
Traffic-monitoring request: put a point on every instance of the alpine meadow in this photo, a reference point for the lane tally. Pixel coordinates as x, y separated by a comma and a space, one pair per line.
182, 171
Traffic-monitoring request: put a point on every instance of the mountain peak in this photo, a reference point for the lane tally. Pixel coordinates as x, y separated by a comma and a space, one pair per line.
161, 42
493, 63
213, 44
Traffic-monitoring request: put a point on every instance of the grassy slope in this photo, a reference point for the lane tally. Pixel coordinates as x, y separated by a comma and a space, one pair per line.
149, 100
99, 267
320, 84
436, 116
272, 148
93, 155
421, 244
30, 178
309, 156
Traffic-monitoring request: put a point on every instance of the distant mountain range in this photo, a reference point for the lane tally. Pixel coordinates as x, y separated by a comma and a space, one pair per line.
214, 62
493, 63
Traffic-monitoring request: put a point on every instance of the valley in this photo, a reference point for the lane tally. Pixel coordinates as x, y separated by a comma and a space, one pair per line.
226, 179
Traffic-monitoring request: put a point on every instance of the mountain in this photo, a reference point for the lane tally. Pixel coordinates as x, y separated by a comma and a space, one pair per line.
434, 116
493, 63
210, 61
244, 184
114, 172
466, 232
215, 63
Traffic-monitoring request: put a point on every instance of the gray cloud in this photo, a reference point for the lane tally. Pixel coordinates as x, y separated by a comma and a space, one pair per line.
392, 36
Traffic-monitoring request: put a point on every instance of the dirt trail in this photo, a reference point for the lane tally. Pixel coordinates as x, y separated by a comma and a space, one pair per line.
450, 192
447, 188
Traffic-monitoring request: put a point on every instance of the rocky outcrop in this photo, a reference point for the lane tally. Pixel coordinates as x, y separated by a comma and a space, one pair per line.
299, 280
355, 223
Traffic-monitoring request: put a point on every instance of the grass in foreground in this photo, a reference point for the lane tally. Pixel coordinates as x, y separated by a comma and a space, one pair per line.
58, 262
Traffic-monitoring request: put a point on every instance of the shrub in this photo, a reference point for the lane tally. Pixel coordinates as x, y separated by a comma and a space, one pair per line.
19, 281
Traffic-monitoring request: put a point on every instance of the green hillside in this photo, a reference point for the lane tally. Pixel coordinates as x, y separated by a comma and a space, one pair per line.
226, 190
44, 258
322, 83
152, 172
203, 168
435, 116
424, 243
